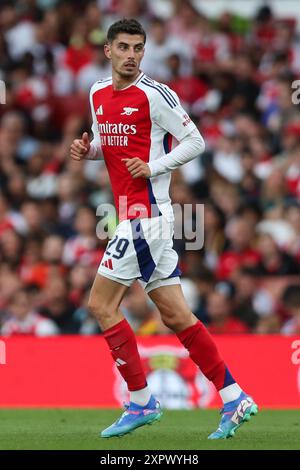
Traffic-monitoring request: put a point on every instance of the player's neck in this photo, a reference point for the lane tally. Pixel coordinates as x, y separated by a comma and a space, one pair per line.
119, 82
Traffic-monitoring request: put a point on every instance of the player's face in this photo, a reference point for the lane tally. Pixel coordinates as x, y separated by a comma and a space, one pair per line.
126, 53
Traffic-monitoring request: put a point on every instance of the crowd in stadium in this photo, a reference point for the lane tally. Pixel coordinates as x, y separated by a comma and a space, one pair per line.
235, 77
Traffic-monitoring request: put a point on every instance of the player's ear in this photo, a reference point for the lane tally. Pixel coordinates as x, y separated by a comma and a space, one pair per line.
107, 51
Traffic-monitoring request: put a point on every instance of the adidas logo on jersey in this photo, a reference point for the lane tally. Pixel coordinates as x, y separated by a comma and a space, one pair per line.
107, 264
99, 111
128, 111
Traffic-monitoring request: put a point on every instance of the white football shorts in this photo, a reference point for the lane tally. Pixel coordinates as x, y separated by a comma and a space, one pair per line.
142, 249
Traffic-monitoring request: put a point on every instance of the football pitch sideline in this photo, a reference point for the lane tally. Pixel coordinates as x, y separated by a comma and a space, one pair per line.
78, 429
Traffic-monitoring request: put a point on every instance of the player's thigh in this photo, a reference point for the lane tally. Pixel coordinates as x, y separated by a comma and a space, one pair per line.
105, 297
173, 308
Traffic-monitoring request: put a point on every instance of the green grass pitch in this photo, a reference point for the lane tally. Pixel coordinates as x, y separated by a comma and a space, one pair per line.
79, 429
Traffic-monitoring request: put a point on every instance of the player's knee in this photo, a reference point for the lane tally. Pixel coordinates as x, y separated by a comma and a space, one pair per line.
93, 307
100, 310
176, 321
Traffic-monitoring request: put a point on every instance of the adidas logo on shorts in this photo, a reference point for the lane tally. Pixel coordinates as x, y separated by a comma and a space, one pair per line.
107, 264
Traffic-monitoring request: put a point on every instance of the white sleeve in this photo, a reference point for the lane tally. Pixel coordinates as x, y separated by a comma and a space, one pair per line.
169, 114
95, 152
190, 147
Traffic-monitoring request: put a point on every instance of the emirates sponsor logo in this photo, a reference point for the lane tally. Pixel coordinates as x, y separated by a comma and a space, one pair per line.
119, 128
115, 135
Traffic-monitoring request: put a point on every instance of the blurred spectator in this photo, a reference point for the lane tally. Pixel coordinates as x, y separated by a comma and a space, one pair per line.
22, 320
204, 280
246, 286
80, 279
6, 215
185, 23
239, 252
227, 161
246, 89
13, 137
190, 89
225, 196
214, 237
10, 283
273, 261
49, 265
79, 51
97, 69
291, 299
41, 183
68, 203
83, 247
56, 305
11, 247
19, 32
159, 47
220, 313
292, 216
33, 219
117, 9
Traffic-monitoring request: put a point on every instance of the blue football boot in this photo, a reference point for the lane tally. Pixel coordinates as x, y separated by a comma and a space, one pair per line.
133, 417
234, 414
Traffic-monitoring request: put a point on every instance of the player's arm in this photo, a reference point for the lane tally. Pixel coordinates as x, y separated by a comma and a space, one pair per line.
190, 147
83, 149
170, 115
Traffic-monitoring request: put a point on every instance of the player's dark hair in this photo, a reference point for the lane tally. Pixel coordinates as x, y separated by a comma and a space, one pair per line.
125, 26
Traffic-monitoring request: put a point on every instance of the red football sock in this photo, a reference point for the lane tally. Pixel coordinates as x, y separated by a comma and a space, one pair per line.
203, 351
122, 344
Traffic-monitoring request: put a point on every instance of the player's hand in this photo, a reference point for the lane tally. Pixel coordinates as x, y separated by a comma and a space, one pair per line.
137, 168
80, 147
